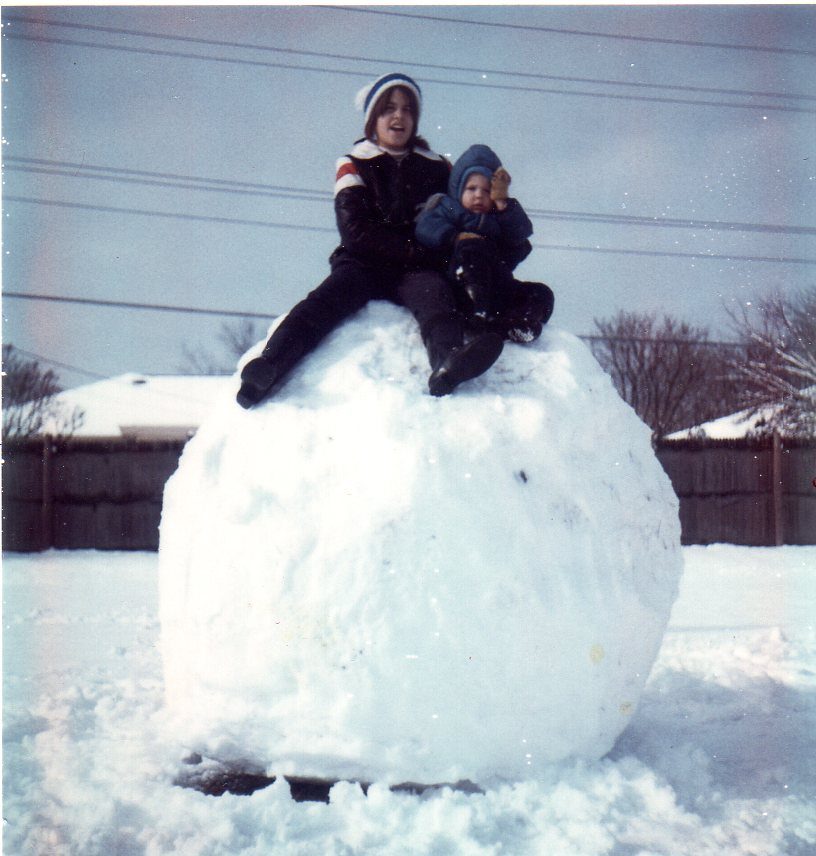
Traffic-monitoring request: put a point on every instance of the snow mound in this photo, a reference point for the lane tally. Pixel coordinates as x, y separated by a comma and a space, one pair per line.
358, 580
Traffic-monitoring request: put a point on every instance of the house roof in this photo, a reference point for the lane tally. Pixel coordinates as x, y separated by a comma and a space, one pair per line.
145, 406
732, 427
737, 425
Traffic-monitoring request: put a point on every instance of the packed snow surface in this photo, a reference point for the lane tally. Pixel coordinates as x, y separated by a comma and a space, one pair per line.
717, 760
361, 581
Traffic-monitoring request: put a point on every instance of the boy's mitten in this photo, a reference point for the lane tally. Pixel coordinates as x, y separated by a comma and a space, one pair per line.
499, 184
467, 236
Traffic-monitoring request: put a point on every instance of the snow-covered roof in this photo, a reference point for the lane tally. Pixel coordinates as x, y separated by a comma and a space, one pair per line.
736, 426
732, 427
145, 406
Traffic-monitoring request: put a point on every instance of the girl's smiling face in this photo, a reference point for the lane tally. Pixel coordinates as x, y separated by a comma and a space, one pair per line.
476, 194
395, 125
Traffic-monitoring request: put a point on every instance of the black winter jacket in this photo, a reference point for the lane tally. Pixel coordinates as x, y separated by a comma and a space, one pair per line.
376, 201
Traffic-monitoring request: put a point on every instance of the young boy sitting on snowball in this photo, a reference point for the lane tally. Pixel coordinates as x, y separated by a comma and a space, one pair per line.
485, 233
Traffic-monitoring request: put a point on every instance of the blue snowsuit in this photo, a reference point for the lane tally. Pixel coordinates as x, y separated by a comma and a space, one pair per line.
483, 268
444, 216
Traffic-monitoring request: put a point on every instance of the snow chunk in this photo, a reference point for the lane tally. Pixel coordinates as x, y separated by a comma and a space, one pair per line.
358, 580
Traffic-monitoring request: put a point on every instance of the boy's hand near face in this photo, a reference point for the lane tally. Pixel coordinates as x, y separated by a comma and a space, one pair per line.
499, 184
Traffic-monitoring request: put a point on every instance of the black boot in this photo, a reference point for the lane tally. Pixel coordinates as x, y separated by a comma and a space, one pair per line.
464, 363
523, 331
259, 377
478, 294
475, 277
533, 306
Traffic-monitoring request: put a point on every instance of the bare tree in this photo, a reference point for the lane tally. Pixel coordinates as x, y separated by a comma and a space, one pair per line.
236, 338
29, 400
671, 374
779, 374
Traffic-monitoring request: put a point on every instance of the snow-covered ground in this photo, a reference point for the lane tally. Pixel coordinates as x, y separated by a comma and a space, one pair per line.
720, 756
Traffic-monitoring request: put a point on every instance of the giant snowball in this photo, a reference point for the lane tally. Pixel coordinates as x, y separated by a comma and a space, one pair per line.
358, 580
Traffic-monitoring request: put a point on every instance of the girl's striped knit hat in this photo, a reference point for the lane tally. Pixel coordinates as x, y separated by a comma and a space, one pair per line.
368, 95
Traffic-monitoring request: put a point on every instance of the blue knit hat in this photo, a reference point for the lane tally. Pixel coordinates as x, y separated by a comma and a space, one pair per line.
368, 95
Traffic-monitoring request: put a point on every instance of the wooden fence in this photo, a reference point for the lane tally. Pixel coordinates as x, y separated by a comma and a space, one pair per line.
107, 494
758, 492
85, 493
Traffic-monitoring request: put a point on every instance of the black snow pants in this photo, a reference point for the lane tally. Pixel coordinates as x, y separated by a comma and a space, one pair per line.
486, 289
347, 289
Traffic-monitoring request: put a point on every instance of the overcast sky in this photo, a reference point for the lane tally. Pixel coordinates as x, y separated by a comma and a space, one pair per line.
185, 156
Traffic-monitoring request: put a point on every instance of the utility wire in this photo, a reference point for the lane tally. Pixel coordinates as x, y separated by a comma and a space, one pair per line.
570, 32
179, 54
71, 169
195, 310
268, 224
591, 338
668, 222
175, 396
658, 340
110, 209
65, 366
168, 175
482, 85
390, 61
677, 255
305, 196
123, 304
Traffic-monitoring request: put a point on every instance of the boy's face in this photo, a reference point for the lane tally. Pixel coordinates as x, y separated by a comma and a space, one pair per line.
476, 194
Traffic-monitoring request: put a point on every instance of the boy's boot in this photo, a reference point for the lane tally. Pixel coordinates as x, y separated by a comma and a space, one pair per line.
474, 271
523, 331
284, 350
478, 295
525, 322
453, 361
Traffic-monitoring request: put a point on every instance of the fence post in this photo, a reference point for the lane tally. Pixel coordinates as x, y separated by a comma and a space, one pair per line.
776, 487
47, 507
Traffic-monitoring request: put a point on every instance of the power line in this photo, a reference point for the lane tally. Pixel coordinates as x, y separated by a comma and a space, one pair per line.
268, 224
656, 340
186, 182
584, 337
570, 32
123, 304
481, 85
176, 396
669, 222
179, 54
173, 176
143, 212
126, 305
65, 366
305, 196
392, 61
677, 255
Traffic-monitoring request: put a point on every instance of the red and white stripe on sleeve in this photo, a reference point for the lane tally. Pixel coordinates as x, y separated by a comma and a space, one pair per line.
347, 175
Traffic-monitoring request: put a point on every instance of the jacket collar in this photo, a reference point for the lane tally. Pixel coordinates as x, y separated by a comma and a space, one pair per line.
366, 150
